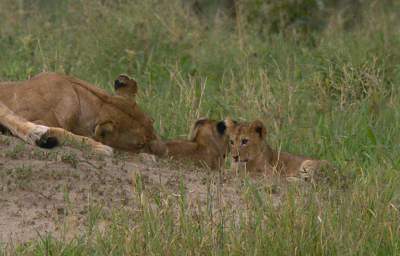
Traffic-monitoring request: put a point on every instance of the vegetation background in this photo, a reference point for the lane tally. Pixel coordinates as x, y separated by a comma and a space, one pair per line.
323, 75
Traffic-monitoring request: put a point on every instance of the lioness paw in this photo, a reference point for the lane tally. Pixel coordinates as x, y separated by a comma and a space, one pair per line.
103, 149
47, 142
39, 135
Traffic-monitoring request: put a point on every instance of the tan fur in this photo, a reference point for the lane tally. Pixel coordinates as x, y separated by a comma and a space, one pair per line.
249, 147
79, 108
39, 134
207, 146
125, 86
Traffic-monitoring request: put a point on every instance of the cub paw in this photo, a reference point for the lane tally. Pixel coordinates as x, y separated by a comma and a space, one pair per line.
308, 169
311, 170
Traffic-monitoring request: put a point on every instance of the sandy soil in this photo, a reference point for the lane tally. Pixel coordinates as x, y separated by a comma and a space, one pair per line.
42, 191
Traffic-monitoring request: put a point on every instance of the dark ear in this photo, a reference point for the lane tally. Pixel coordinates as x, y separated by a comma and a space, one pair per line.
259, 128
221, 127
125, 86
103, 130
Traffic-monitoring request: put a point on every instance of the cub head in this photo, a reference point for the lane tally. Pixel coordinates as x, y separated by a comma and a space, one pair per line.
125, 86
245, 139
211, 133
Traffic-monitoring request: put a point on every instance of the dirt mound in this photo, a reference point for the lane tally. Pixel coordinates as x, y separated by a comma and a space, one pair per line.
42, 191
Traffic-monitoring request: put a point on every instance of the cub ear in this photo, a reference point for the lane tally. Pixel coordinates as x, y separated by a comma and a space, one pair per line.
230, 124
221, 127
125, 86
200, 122
259, 128
103, 130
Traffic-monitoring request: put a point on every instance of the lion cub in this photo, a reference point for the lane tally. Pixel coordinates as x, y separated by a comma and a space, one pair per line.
249, 147
125, 86
207, 146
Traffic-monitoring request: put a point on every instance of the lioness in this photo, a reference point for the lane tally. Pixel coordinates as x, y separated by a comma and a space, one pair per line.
207, 146
249, 147
57, 106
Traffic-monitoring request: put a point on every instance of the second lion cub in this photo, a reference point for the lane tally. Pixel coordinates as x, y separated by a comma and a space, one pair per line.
249, 147
207, 146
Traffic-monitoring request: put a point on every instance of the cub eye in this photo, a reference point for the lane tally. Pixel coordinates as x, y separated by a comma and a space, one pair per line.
244, 141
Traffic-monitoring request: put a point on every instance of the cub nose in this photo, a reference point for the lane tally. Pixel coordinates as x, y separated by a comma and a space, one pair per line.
236, 158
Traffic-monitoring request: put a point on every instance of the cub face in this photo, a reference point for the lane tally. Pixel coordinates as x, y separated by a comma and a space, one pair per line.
245, 140
212, 134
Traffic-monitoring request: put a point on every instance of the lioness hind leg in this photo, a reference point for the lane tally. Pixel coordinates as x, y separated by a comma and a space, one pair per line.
66, 136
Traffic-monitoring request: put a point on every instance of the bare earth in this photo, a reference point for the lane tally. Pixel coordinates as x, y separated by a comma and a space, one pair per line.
44, 191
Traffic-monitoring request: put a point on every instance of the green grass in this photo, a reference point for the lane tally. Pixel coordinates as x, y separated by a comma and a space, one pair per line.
336, 98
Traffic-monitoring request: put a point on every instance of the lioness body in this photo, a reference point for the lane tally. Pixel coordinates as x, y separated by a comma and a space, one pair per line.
207, 146
250, 148
65, 102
